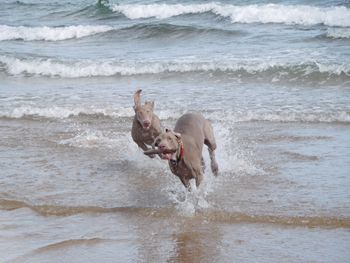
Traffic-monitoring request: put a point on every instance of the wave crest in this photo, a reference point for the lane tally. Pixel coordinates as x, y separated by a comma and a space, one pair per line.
329, 116
275, 71
338, 33
56, 112
268, 13
50, 33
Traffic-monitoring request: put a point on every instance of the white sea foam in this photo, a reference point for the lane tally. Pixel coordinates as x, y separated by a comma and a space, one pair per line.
188, 203
338, 32
230, 157
283, 116
268, 13
88, 68
57, 112
60, 112
50, 33
94, 139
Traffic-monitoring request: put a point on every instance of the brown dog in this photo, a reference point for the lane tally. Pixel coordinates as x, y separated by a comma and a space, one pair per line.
183, 148
146, 125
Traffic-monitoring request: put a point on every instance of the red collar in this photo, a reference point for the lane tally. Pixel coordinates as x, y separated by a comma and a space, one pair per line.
181, 153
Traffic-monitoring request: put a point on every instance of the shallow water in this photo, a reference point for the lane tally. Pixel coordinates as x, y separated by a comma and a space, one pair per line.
272, 78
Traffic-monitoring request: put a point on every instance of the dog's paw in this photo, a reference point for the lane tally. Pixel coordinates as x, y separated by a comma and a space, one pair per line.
215, 168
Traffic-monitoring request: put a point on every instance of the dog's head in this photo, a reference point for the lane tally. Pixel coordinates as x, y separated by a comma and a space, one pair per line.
144, 113
168, 144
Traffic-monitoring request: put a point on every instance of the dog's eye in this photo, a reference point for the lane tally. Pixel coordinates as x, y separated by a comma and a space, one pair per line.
169, 139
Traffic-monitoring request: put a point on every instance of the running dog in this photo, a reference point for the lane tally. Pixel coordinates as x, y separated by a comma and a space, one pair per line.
183, 148
146, 125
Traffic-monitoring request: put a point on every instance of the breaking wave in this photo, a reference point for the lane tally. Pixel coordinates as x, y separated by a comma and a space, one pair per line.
50, 33
142, 30
56, 112
268, 13
274, 71
284, 116
95, 139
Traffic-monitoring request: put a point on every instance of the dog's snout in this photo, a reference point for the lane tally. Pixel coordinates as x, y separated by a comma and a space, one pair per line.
161, 147
146, 123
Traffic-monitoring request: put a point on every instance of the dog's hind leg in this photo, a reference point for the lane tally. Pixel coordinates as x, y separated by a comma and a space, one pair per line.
199, 179
209, 140
203, 164
213, 164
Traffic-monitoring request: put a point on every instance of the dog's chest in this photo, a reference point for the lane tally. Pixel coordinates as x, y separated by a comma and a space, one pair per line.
148, 136
180, 169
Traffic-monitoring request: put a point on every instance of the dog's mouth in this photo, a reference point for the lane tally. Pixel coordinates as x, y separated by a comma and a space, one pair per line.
146, 126
165, 154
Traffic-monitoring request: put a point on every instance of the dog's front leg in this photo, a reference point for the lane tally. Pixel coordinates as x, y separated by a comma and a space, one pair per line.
186, 183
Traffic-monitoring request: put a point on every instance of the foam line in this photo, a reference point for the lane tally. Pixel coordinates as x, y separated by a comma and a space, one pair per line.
268, 13
50, 33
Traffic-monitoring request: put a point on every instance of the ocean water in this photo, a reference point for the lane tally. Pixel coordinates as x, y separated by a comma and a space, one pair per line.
273, 77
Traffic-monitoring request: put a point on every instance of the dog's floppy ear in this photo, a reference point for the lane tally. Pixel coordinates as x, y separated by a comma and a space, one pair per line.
177, 135
137, 98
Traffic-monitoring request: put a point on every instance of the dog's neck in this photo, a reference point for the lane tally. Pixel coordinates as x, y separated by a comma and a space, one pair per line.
179, 154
